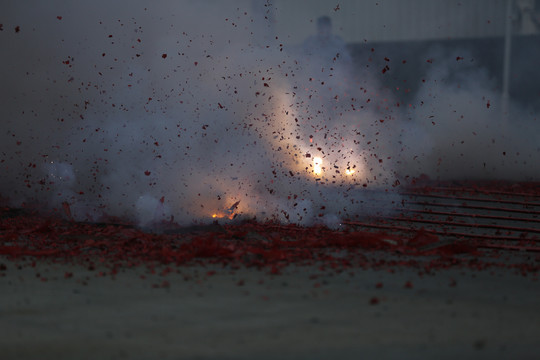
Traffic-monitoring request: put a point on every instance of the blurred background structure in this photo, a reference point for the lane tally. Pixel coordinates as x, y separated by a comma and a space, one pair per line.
410, 30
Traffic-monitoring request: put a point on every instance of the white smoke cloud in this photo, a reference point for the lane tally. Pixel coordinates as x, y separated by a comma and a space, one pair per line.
458, 130
187, 110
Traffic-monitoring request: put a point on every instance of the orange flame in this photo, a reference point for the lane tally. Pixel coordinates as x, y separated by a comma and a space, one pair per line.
229, 213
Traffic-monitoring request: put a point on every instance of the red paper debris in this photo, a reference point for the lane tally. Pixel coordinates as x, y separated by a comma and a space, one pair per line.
67, 210
270, 247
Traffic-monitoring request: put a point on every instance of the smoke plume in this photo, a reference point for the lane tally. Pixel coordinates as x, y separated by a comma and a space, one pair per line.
190, 111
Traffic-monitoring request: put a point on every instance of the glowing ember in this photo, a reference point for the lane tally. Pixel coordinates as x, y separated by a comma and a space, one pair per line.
349, 171
229, 213
317, 165
222, 215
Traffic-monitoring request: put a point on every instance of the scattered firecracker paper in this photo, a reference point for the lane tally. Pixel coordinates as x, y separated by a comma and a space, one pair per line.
271, 247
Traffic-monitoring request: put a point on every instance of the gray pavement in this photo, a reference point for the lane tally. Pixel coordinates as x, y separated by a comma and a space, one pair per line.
250, 314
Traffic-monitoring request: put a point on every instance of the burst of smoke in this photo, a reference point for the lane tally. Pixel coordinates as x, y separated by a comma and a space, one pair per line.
185, 110
459, 130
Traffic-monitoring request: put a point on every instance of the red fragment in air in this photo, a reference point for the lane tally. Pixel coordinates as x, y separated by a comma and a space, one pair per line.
17, 29
147, 173
59, 17
374, 301
67, 209
164, 56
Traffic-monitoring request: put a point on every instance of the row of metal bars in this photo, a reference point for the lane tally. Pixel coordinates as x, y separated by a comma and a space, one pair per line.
492, 218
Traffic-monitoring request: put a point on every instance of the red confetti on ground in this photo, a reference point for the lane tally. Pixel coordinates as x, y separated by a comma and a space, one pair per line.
265, 246
27, 234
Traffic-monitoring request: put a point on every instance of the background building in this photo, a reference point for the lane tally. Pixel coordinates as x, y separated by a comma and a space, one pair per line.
412, 20
416, 31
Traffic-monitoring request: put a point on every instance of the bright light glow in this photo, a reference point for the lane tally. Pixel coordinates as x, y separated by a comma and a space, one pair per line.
349, 171
317, 165
230, 213
229, 216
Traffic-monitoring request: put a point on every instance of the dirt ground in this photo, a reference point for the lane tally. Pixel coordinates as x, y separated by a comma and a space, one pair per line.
303, 313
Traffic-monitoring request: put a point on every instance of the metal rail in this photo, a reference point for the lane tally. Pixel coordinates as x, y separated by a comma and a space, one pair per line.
477, 191
508, 223
475, 216
469, 225
465, 206
465, 198
438, 232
